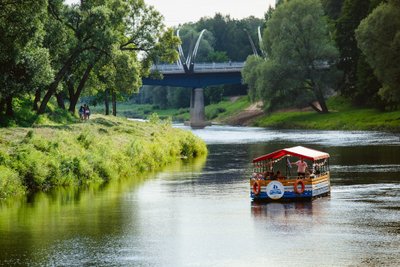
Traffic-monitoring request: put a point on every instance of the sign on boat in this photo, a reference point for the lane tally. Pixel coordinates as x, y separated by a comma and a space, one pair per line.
274, 178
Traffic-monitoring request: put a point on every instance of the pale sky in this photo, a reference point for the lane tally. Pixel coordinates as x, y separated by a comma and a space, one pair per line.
180, 11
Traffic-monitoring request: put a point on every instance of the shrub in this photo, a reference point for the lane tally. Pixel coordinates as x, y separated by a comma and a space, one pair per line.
214, 112
31, 164
10, 184
113, 148
154, 119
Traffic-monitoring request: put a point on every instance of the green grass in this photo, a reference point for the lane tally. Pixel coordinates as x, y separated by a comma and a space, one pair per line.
24, 116
216, 112
143, 111
226, 108
94, 151
342, 116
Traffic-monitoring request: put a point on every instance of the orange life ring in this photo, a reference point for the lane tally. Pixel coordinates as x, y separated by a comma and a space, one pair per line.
256, 188
296, 189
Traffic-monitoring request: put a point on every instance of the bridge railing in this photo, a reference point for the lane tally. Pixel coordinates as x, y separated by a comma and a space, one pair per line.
201, 67
228, 66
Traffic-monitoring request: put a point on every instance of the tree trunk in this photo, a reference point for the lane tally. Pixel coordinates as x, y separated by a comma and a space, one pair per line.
114, 103
9, 109
75, 97
107, 101
36, 100
51, 89
2, 105
320, 98
60, 100
314, 107
70, 87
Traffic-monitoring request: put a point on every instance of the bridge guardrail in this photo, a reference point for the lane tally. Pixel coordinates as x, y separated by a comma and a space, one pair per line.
201, 67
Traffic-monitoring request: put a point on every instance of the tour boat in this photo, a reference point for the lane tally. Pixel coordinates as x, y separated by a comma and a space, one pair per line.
275, 176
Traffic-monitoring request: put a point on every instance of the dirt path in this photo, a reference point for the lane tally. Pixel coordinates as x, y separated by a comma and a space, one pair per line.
246, 116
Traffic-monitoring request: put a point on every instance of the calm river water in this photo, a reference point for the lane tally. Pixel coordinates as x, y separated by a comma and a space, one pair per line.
200, 214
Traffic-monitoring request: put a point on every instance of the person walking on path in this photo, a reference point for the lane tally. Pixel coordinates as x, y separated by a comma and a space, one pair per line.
81, 112
86, 112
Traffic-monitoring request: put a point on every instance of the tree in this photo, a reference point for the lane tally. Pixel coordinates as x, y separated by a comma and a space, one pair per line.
332, 8
24, 62
178, 97
251, 75
91, 26
353, 12
300, 59
99, 28
378, 37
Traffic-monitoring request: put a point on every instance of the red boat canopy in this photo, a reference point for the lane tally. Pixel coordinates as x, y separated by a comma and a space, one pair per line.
297, 151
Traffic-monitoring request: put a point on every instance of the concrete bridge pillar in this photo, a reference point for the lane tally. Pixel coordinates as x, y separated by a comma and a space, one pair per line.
197, 116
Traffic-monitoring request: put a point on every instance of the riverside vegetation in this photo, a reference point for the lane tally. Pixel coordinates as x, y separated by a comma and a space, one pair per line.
50, 154
342, 116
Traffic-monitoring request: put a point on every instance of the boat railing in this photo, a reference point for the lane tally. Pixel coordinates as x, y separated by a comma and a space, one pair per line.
261, 176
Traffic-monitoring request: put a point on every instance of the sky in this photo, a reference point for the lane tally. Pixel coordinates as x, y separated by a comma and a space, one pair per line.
177, 12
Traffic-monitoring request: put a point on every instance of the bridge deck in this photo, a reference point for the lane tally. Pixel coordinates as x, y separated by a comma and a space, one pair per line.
200, 67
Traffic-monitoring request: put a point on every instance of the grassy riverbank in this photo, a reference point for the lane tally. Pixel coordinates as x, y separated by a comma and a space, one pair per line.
93, 151
342, 116
219, 111
240, 111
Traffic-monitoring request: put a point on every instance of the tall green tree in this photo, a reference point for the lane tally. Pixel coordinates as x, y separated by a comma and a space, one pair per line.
332, 8
252, 74
353, 12
24, 62
301, 56
90, 24
378, 37
98, 29
358, 81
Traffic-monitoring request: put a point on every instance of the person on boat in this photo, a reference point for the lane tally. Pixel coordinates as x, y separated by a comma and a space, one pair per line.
271, 175
315, 169
278, 175
301, 167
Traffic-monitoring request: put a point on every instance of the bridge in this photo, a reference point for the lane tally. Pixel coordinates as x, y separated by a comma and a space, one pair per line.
185, 73
203, 75
200, 76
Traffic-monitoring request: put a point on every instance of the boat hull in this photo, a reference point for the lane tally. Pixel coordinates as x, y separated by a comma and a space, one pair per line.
290, 189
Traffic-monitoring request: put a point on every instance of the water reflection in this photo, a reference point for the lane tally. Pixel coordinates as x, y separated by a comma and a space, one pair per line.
280, 211
200, 213
66, 226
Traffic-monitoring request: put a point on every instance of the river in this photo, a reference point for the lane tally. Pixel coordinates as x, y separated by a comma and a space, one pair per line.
199, 213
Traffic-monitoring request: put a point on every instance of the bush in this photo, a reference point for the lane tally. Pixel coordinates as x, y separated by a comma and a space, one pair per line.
97, 151
31, 166
10, 184
154, 119
192, 147
213, 113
